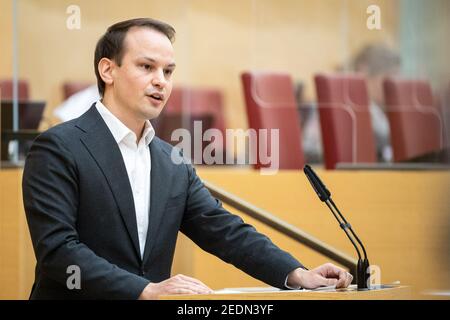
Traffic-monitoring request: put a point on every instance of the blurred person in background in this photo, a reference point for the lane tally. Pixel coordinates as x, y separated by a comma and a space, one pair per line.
77, 104
376, 62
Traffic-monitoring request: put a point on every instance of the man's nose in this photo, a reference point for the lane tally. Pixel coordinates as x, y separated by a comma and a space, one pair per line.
158, 79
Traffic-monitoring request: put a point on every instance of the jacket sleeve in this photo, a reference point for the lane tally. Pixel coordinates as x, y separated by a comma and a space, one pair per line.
50, 196
225, 235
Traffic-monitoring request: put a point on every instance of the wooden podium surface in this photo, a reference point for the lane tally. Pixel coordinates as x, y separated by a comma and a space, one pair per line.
391, 293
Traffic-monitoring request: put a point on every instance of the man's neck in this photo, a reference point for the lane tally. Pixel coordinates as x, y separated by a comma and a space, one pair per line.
135, 125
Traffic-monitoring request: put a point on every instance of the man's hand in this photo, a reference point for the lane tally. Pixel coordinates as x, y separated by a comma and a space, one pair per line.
179, 284
325, 275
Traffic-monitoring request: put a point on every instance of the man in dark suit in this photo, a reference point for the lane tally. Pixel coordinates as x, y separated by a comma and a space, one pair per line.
104, 197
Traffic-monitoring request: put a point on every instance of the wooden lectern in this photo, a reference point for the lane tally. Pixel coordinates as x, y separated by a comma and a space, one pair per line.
383, 293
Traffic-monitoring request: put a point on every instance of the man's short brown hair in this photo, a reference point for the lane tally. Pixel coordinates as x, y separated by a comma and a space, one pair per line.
111, 44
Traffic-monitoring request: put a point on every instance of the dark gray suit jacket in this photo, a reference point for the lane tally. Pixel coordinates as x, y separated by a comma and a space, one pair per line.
80, 211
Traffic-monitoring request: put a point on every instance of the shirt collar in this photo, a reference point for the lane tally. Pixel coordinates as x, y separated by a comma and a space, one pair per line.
119, 130
149, 132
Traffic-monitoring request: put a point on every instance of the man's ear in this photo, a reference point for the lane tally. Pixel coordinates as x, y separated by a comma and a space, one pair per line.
105, 69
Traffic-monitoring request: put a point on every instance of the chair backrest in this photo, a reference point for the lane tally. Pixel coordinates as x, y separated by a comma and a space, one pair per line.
198, 102
415, 121
167, 123
72, 87
187, 106
345, 121
270, 103
6, 88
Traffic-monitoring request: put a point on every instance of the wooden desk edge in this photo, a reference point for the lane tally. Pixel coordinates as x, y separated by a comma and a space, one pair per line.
394, 293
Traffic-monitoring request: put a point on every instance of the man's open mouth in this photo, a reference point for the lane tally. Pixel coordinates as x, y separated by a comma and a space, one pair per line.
157, 96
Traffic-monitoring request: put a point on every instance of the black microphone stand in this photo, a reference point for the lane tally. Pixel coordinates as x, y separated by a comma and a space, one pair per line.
362, 269
362, 274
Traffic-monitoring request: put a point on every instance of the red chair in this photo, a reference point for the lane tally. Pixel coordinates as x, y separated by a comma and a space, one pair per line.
197, 102
6, 89
415, 121
187, 106
345, 121
270, 103
72, 87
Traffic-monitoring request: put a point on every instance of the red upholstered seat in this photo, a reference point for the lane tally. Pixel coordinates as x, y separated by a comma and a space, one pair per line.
6, 88
198, 102
345, 121
415, 121
270, 103
187, 106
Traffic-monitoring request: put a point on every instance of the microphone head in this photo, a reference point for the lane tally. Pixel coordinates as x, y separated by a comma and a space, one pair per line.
317, 184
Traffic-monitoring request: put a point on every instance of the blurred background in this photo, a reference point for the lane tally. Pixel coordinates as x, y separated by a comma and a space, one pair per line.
385, 61
48, 46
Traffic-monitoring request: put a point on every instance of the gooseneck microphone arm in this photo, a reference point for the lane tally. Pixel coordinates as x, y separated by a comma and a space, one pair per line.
324, 195
344, 225
350, 228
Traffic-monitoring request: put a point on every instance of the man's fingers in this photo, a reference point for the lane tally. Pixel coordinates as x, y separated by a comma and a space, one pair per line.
193, 281
345, 279
330, 282
342, 278
335, 275
335, 271
349, 280
182, 291
185, 288
195, 287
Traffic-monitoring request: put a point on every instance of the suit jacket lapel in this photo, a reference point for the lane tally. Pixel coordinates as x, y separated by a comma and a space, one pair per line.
104, 149
161, 179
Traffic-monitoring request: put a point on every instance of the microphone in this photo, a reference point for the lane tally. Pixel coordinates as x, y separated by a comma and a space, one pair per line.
362, 275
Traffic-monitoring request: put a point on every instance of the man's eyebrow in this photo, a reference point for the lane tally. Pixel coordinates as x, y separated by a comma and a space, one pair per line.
170, 65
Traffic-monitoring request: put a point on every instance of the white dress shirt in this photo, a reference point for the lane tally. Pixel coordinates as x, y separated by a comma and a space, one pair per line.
138, 164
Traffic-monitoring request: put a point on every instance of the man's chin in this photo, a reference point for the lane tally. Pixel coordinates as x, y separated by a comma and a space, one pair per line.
152, 114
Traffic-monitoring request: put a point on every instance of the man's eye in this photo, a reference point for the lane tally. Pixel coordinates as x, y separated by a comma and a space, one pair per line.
146, 66
168, 72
